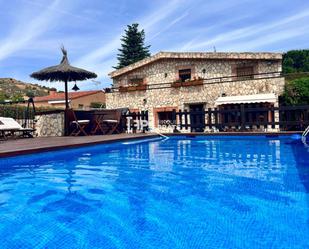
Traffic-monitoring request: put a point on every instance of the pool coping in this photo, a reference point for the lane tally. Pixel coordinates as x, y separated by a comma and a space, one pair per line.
44, 144
286, 133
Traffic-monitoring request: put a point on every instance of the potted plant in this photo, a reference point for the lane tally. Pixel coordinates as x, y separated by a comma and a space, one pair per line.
123, 89
177, 83
197, 81
194, 82
132, 87
141, 87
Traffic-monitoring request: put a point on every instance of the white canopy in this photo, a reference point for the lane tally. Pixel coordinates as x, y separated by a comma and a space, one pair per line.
57, 101
244, 99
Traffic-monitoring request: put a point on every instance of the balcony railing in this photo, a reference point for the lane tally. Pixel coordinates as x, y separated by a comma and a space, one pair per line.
132, 88
196, 82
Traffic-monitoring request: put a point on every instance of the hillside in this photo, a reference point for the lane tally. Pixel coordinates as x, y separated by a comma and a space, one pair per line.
16, 89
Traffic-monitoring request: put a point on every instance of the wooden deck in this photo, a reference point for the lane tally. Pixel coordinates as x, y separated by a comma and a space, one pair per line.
39, 144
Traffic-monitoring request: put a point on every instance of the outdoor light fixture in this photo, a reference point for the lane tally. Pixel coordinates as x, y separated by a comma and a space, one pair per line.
144, 101
75, 88
165, 75
223, 95
204, 71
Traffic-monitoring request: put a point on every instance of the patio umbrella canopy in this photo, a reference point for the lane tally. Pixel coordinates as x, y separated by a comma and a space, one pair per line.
63, 72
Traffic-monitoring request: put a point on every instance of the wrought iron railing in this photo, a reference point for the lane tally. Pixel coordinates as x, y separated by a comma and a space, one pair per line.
22, 111
197, 82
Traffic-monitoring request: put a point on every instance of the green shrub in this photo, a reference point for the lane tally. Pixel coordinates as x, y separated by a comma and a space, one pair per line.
296, 92
19, 111
97, 105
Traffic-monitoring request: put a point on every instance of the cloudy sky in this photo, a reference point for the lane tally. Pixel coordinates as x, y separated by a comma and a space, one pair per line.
32, 31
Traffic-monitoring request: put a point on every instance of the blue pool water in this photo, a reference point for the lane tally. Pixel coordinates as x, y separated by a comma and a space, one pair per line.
198, 192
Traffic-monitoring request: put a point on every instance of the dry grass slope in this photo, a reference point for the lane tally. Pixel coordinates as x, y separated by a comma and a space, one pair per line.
9, 87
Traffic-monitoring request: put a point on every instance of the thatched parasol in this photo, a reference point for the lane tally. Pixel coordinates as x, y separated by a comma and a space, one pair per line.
63, 72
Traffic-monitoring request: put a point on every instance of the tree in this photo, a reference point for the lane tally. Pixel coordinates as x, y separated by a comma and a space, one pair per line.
296, 92
132, 48
296, 61
30, 94
17, 97
3, 96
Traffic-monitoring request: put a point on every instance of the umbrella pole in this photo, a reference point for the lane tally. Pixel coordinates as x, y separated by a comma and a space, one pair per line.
66, 121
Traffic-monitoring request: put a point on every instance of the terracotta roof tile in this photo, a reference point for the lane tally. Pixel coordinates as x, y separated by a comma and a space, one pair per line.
61, 96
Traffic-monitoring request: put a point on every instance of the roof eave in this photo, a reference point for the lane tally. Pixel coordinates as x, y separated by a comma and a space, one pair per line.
197, 55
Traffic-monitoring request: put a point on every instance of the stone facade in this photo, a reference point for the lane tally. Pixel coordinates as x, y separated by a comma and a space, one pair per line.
50, 125
166, 71
159, 74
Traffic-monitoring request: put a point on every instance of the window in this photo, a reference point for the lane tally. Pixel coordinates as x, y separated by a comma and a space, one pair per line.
184, 74
244, 73
165, 118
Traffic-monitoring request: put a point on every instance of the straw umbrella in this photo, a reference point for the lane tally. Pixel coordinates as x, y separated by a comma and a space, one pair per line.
63, 72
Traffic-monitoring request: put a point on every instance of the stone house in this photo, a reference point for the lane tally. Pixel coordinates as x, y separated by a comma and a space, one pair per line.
196, 81
78, 100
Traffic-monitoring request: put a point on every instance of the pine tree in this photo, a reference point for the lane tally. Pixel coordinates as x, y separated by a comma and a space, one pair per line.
132, 48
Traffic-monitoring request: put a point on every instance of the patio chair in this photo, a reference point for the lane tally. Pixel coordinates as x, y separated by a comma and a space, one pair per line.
112, 121
77, 126
11, 126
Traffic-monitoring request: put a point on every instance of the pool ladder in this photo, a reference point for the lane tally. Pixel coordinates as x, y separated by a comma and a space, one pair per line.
304, 135
160, 134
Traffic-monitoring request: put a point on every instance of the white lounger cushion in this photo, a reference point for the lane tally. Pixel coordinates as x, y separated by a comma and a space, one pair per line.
9, 124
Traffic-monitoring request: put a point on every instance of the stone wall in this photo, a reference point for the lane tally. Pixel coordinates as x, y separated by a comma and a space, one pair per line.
50, 125
166, 70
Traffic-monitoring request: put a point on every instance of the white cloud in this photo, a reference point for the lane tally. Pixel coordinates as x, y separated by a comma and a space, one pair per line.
26, 31
244, 33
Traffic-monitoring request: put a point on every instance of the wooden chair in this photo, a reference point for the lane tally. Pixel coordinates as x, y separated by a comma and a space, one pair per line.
77, 126
112, 121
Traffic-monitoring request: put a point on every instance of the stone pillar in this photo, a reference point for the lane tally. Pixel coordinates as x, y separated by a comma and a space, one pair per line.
50, 125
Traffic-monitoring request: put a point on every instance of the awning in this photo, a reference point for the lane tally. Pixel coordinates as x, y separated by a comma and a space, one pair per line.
245, 99
52, 102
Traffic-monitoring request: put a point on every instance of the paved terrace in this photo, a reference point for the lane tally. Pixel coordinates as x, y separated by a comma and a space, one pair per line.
39, 144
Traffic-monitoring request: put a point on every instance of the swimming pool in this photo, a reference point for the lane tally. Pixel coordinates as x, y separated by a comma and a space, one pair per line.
184, 192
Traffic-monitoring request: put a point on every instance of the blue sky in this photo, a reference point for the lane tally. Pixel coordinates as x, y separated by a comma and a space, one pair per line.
32, 31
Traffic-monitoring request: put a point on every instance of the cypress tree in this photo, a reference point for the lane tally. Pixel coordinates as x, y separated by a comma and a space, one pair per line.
132, 48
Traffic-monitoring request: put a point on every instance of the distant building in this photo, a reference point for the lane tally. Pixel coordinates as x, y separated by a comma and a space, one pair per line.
77, 100
196, 81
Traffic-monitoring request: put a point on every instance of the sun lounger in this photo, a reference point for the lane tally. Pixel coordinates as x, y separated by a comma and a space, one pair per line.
9, 125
